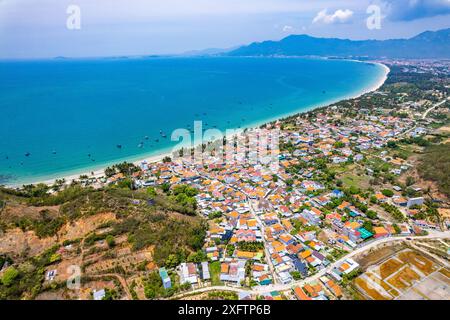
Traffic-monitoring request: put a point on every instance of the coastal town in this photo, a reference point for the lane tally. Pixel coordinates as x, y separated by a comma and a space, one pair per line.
348, 186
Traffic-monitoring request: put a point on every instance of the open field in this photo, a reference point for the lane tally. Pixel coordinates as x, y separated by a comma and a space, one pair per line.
405, 275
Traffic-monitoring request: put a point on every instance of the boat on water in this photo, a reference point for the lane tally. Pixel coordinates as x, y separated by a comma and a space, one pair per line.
119, 146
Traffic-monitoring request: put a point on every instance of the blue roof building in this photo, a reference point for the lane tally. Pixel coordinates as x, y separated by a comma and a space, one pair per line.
337, 193
365, 233
300, 266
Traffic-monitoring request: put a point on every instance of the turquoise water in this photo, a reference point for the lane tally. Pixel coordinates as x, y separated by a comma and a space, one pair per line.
62, 117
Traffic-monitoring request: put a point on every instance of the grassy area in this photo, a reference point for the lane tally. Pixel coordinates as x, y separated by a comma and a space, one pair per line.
341, 168
214, 270
434, 166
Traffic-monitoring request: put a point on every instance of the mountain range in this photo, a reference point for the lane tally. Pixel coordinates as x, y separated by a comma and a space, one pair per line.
429, 45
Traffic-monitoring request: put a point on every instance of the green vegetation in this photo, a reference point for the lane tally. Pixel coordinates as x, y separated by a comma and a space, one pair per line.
371, 214
110, 241
230, 249
197, 257
182, 198
153, 287
166, 236
214, 271
339, 144
346, 278
252, 246
126, 168
420, 141
368, 226
296, 275
173, 237
44, 226
353, 181
215, 215
92, 238
9, 275
4, 259
387, 193
26, 280
336, 254
222, 295
37, 197
151, 192
126, 183
394, 211
110, 294
392, 144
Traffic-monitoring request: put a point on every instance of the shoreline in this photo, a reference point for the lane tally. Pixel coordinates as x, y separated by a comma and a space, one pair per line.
98, 173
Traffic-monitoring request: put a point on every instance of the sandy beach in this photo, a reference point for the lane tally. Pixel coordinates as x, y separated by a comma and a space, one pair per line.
98, 173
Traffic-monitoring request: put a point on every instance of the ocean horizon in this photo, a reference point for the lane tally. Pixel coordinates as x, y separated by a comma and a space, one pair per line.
66, 116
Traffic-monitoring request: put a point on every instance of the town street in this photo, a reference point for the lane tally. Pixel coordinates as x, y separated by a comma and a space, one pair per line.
280, 287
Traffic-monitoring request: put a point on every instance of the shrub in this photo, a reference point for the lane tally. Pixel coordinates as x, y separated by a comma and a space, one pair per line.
9, 276
110, 241
387, 192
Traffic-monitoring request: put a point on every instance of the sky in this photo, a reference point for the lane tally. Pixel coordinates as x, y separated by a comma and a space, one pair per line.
91, 28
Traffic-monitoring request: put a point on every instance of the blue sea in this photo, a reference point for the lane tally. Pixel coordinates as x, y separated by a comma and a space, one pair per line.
61, 117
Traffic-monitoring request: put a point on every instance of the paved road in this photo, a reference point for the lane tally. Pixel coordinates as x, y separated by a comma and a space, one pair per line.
266, 250
425, 114
440, 235
434, 106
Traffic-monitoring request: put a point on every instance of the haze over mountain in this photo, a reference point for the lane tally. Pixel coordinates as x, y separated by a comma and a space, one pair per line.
429, 44
209, 51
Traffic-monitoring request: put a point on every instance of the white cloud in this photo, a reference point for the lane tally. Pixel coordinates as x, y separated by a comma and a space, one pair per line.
339, 16
288, 29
